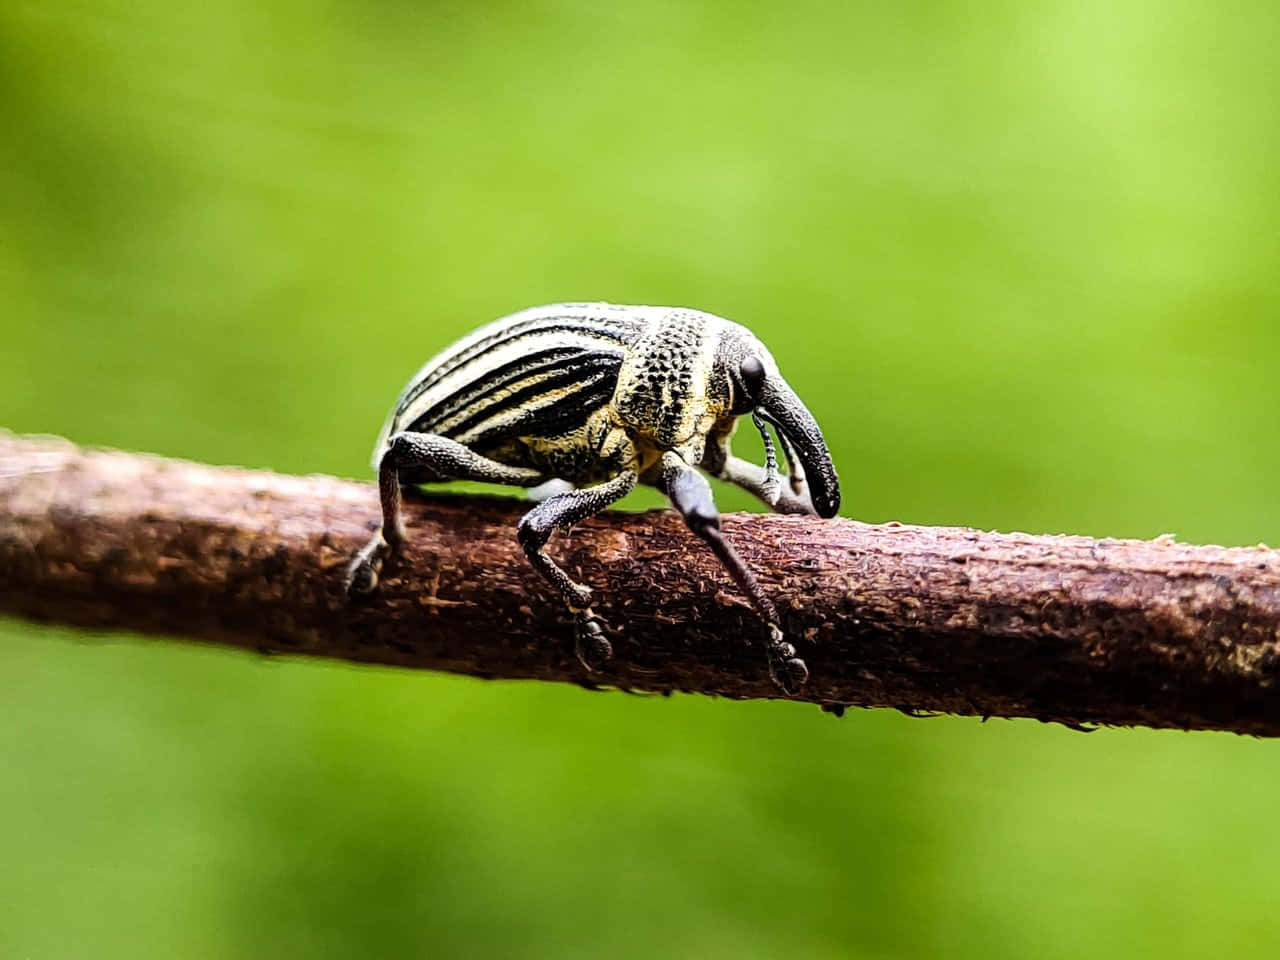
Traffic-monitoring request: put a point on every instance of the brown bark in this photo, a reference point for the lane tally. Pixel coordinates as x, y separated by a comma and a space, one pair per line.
924, 619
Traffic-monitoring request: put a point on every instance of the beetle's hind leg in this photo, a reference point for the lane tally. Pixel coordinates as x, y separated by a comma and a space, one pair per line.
559, 513
428, 458
691, 495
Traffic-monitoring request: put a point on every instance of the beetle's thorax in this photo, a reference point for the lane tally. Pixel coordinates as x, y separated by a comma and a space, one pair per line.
669, 394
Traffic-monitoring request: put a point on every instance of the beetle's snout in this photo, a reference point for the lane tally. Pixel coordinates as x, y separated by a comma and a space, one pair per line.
780, 406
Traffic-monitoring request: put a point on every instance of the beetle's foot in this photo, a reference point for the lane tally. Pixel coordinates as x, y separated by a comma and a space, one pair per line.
795, 502
590, 644
362, 575
790, 675
787, 671
362, 572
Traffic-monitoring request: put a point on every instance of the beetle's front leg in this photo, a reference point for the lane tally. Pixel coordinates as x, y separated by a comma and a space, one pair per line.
720, 462
691, 495
561, 512
428, 458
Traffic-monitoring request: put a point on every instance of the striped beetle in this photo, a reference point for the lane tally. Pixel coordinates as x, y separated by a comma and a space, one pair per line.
602, 397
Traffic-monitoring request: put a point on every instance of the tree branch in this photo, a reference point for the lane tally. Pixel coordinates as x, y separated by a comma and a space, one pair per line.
924, 619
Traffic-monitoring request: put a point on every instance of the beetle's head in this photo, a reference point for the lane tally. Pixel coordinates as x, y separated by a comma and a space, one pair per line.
757, 388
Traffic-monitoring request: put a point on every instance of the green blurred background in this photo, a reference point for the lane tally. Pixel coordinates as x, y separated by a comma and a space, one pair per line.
1019, 258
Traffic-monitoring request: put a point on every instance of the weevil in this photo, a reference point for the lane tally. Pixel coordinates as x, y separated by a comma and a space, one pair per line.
601, 397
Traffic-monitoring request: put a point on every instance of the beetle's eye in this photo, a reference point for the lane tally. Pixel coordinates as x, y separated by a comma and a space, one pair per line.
752, 371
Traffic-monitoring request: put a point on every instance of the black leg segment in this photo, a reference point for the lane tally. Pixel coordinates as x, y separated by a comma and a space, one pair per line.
428, 459
559, 513
691, 495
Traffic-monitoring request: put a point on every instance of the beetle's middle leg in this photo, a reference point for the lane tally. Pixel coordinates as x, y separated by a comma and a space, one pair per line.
561, 512
691, 495
428, 458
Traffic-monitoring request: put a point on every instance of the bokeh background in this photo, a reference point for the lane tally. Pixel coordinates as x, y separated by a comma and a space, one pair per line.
1020, 259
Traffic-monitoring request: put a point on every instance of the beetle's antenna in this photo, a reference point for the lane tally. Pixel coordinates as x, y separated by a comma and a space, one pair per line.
795, 472
772, 488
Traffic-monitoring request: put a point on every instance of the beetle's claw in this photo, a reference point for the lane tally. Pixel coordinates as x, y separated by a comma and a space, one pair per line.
787, 671
361, 577
790, 675
362, 573
590, 644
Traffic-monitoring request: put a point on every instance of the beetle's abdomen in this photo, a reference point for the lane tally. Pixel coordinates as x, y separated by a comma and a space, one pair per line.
543, 372
547, 393
663, 385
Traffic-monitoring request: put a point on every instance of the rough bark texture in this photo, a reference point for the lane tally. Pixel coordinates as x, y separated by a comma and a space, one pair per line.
926, 619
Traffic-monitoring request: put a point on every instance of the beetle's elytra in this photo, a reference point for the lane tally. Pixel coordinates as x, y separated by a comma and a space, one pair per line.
603, 397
